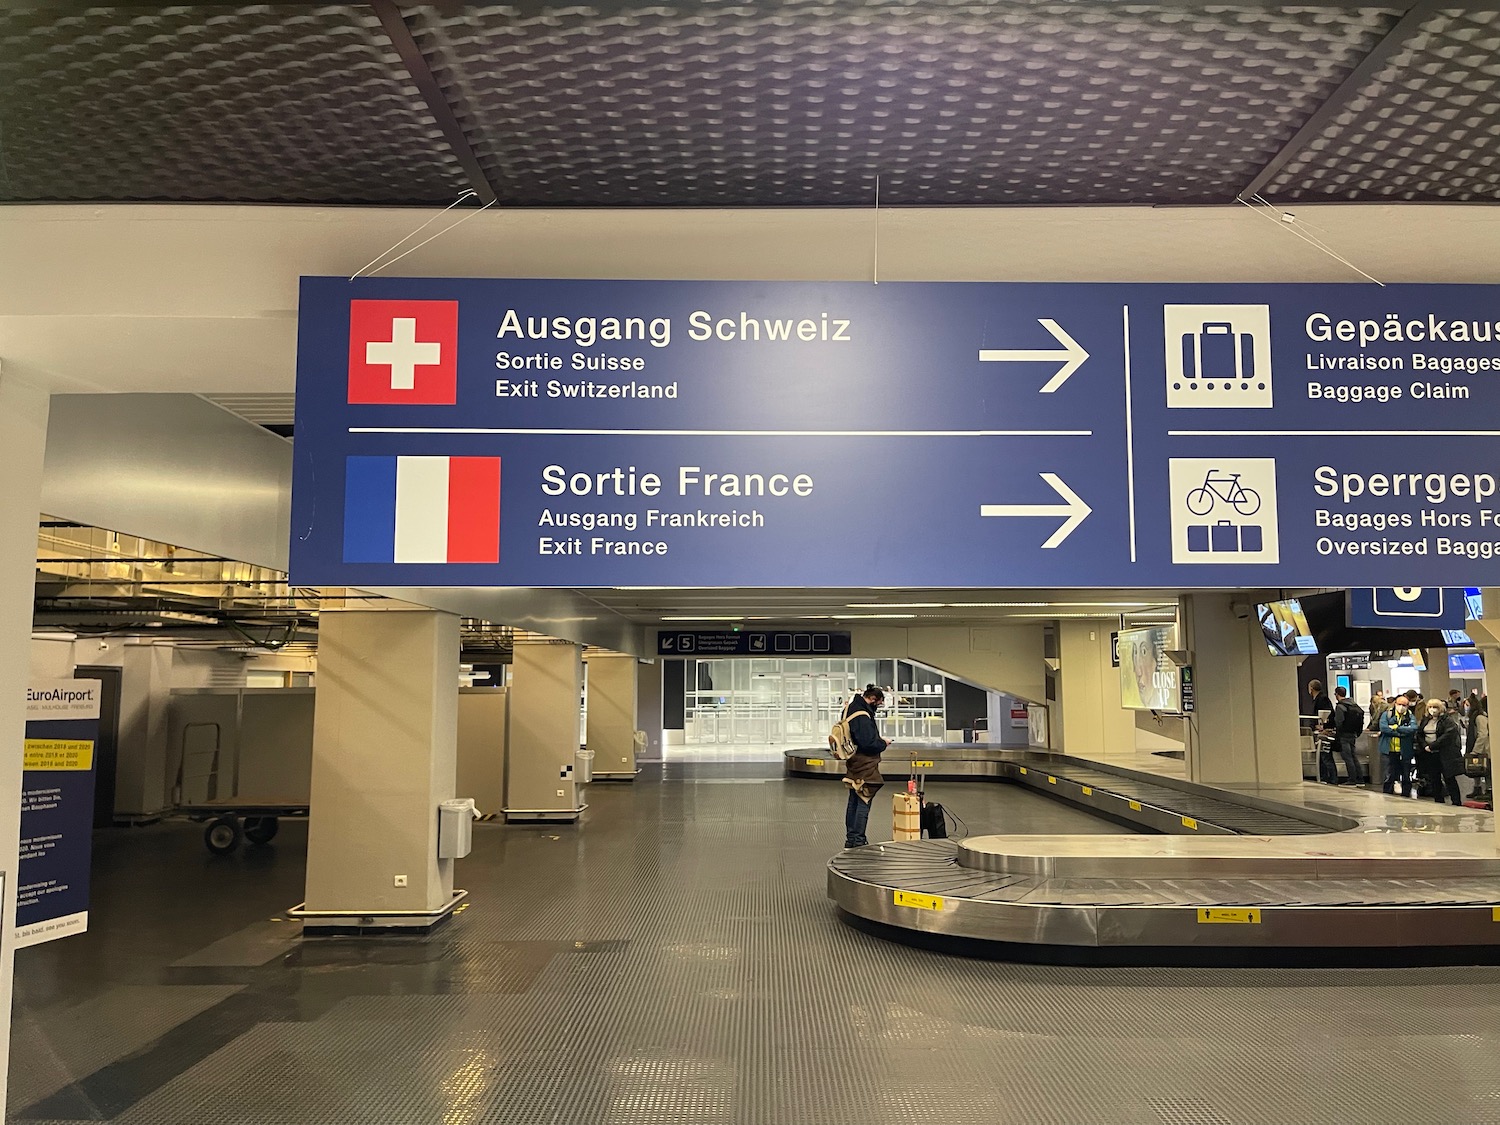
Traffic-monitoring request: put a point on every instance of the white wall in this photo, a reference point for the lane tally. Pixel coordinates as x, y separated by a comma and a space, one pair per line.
1001, 658
213, 289
52, 658
23, 430
1091, 723
203, 668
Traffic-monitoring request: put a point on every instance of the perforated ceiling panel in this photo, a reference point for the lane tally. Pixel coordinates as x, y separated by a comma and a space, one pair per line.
213, 103
787, 102
1425, 127
956, 102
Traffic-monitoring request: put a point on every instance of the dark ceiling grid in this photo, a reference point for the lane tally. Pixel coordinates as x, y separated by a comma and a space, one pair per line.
1408, 26
206, 103
795, 102
961, 102
396, 29
1424, 126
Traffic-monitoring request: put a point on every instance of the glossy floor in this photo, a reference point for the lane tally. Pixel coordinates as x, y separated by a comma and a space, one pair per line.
674, 960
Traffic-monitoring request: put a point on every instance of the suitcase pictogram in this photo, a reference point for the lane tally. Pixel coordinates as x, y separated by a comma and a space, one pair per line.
1218, 357
1224, 537
1218, 354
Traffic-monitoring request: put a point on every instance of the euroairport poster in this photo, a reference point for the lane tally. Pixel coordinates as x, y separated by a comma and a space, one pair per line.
57, 810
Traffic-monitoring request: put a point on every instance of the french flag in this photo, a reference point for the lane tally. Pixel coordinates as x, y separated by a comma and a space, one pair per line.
422, 510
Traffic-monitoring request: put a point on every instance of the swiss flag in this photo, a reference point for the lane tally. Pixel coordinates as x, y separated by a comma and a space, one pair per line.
403, 351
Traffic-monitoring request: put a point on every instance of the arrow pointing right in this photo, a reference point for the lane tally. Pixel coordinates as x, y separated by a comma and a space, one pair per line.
1073, 507
1072, 356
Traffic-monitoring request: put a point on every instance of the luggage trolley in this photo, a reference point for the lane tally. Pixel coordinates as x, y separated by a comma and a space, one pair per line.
231, 820
232, 823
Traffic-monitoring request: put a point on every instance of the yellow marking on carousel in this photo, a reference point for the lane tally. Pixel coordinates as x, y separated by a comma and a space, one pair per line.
922, 765
1232, 915
1189, 822
1135, 806
918, 902
1087, 792
1051, 780
816, 762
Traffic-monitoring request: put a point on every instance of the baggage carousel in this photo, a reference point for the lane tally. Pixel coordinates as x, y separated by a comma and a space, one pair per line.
1232, 877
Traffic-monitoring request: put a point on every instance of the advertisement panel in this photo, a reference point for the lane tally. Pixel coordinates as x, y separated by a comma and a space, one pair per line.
1149, 681
57, 810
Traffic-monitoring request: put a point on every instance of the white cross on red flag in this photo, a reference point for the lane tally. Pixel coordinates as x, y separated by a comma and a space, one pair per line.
403, 352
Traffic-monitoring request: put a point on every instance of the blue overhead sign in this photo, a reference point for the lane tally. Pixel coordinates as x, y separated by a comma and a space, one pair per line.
615, 433
1407, 607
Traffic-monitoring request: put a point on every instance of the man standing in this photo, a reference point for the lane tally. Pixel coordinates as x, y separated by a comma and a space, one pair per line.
862, 768
1348, 721
1322, 706
1322, 731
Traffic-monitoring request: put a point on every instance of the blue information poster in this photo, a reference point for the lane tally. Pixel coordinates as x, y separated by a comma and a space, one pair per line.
57, 810
472, 432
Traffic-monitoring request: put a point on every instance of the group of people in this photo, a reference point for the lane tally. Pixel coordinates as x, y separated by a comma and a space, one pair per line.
1422, 744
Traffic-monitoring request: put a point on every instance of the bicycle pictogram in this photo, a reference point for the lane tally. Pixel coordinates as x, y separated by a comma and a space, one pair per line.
1225, 487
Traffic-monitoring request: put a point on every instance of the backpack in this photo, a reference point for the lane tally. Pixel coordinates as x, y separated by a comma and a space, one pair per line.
841, 738
934, 822
1352, 718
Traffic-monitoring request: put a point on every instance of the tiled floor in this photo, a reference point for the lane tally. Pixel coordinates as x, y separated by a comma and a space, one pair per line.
673, 961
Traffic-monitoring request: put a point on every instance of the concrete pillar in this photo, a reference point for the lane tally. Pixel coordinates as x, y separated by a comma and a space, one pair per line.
648, 697
1436, 680
23, 437
1245, 730
1486, 634
384, 751
143, 777
611, 714
546, 683
481, 746
1094, 725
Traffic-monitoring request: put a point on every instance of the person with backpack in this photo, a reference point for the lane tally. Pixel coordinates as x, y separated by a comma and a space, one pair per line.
862, 768
1347, 721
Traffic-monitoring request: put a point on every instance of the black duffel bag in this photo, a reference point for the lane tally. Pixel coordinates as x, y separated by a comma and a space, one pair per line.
934, 822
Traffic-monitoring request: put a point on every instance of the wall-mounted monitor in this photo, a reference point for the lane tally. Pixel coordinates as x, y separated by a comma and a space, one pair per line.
1465, 664
1148, 679
1284, 627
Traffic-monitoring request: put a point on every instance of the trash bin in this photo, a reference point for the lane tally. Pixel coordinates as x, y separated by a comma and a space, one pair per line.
455, 828
585, 767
